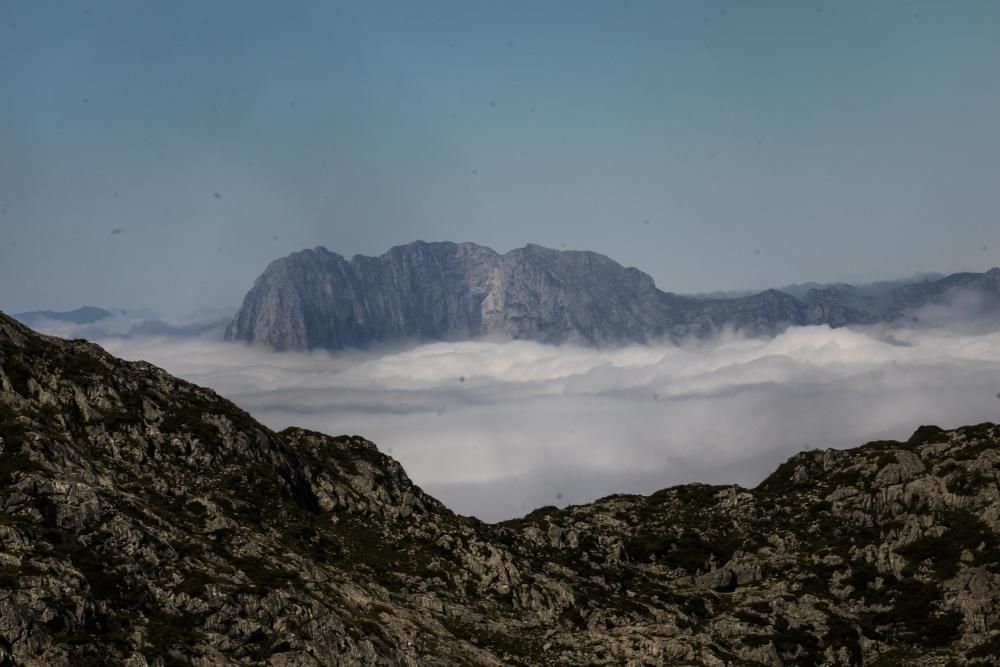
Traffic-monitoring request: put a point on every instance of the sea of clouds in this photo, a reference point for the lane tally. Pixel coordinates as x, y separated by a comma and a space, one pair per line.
496, 429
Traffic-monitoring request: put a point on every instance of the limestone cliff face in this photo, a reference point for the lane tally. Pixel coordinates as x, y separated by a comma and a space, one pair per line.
147, 521
448, 291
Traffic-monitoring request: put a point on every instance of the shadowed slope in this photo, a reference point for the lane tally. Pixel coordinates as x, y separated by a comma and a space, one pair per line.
143, 518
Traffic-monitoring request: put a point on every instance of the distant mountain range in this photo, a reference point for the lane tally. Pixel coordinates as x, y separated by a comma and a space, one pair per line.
84, 315
800, 290
92, 323
458, 291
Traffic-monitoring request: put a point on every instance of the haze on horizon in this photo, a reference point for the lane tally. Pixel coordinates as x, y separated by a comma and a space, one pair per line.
161, 154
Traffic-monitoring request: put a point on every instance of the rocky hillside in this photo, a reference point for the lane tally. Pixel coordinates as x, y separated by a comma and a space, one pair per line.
147, 521
448, 291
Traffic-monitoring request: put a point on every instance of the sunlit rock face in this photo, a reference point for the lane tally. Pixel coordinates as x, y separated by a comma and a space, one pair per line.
459, 291
147, 521
446, 291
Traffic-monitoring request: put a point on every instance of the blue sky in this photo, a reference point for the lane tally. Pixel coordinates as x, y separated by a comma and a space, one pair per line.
161, 154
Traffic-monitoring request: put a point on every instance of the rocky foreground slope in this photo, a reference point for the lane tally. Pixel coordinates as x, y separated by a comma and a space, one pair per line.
147, 521
457, 291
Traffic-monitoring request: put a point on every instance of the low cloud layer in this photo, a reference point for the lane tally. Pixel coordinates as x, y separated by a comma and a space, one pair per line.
499, 429
138, 324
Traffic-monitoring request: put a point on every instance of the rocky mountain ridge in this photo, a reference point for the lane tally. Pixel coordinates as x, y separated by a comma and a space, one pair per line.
82, 315
447, 291
147, 521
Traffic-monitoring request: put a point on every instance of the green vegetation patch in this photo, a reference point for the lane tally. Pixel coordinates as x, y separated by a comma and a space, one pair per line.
964, 531
896, 658
927, 434
17, 462
170, 635
12, 430
262, 575
189, 418
967, 482
689, 550
781, 479
916, 611
81, 367
988, 649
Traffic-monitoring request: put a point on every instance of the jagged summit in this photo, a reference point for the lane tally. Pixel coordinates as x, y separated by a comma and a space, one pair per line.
458, 291
448, 291
147, 521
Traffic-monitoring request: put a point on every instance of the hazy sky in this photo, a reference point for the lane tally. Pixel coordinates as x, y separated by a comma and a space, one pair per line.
162, 153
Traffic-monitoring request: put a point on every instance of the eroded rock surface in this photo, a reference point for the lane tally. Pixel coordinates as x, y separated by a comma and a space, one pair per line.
459, 291
147, 521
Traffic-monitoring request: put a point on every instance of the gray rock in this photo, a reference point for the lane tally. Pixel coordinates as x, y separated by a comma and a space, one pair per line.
146, 521
459, 291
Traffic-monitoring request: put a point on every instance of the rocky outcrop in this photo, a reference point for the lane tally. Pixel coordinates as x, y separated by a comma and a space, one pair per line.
147, 521
448, 291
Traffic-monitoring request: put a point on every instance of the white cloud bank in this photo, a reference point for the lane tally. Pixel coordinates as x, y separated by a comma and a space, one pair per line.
499, 429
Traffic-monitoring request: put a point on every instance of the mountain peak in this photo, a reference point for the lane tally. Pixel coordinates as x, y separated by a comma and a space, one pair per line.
459, 291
